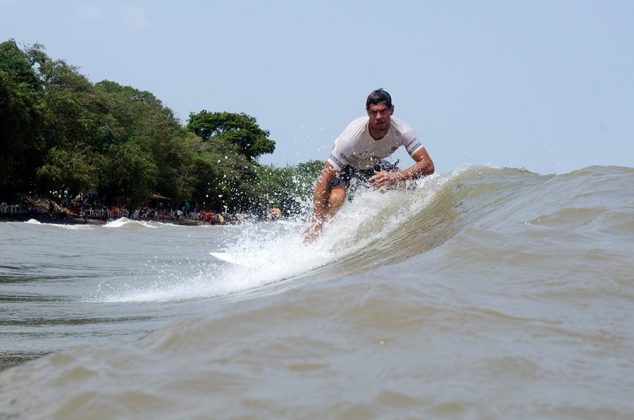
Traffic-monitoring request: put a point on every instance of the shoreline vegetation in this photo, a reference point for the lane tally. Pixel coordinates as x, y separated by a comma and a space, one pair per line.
74, 151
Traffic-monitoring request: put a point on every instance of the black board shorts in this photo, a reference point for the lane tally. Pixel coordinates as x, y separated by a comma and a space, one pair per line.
351, 174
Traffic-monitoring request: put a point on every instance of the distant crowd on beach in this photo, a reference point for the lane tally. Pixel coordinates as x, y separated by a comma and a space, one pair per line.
179, 215
95, 213
166, 215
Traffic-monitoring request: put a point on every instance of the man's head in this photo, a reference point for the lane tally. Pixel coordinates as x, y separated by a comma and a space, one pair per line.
378, 96
380, 109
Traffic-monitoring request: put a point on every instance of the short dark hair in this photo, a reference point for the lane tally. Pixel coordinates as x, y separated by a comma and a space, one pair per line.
378, 96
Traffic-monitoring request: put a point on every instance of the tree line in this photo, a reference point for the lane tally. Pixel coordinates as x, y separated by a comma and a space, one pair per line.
64, 136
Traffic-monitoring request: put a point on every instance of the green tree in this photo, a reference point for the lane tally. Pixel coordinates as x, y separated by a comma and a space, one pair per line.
78, 128
69, 170
71, 118
289, 188
21, 120
241, 130
138, 117
225, 178
127, 174
59, 131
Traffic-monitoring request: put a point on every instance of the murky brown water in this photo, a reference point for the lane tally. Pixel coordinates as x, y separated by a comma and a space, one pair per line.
485, 293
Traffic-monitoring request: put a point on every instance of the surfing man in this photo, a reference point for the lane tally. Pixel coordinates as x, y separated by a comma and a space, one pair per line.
358, 155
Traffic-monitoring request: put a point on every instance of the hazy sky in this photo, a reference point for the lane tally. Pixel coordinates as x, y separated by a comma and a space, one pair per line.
546, 85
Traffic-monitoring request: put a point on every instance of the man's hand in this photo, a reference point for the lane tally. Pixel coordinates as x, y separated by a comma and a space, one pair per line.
394, 179
312, 232
383, 180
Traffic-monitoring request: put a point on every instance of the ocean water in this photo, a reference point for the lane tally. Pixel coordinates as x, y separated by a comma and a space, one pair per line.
481, 293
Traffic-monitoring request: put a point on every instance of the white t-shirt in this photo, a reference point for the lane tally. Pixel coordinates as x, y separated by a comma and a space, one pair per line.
356, 147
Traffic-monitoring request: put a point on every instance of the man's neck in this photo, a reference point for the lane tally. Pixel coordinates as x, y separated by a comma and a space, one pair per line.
378, 134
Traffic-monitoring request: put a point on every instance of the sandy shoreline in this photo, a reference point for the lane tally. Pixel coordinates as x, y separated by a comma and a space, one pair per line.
46, 218
46, 211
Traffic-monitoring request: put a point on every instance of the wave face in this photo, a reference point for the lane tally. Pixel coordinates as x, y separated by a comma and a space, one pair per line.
485, 292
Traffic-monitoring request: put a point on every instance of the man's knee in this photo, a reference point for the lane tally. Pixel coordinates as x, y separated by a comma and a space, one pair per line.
337, 197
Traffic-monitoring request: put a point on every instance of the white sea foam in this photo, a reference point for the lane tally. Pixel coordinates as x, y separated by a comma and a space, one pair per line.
268, 253
125, 222
59, 225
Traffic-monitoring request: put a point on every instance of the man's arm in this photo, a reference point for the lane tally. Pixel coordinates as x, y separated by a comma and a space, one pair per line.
423, 167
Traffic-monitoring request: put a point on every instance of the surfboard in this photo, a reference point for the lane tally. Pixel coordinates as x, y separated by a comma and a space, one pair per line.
229, 257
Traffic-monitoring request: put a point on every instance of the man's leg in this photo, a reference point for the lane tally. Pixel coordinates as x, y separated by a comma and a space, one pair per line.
336, 199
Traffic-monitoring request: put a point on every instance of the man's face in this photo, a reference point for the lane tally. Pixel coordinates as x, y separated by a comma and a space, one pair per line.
380, 117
